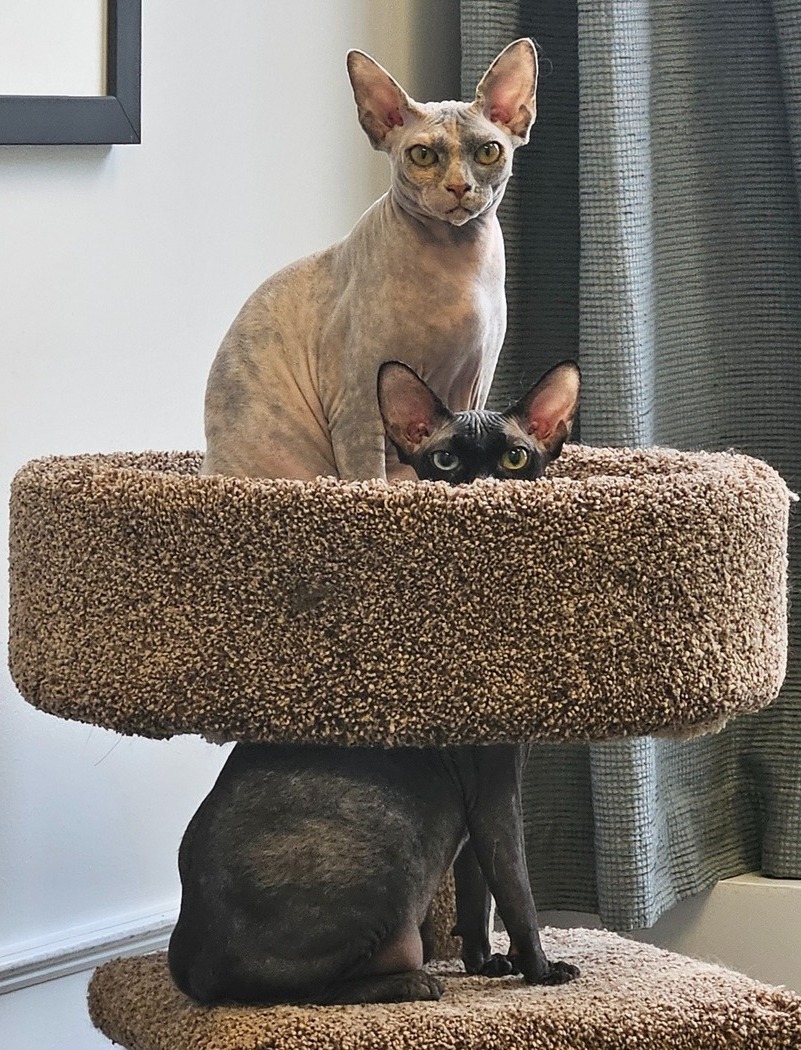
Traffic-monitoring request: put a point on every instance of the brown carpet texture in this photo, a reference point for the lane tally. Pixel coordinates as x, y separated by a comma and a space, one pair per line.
630, 996
629, 592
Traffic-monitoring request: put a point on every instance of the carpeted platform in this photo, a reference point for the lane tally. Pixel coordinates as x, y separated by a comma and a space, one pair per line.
629, 997
630, 592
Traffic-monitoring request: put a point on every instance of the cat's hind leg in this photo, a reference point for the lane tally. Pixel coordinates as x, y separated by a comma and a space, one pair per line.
392, 975
408, 987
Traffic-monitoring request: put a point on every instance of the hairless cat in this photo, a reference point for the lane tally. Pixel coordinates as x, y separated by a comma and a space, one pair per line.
420, 278
308, 871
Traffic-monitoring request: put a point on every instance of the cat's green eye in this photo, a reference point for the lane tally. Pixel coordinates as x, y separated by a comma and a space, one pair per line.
488, 153
514, 458
423, 156
444, 460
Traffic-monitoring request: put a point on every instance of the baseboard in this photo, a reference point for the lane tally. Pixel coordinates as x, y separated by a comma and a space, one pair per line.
83, 949
749, 923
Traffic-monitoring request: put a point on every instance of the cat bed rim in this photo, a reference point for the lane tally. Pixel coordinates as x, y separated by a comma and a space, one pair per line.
146, 523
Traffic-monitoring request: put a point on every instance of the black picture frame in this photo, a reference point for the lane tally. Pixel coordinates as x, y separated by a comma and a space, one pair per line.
33, 120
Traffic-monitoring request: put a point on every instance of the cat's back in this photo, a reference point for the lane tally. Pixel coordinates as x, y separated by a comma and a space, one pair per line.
275, 335
343, 809
306, 288
286, 300
263, 414
334, 821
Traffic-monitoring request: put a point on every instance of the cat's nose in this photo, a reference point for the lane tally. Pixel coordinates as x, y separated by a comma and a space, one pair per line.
458, 189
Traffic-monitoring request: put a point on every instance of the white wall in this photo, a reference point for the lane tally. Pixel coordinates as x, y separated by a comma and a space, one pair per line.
120, 270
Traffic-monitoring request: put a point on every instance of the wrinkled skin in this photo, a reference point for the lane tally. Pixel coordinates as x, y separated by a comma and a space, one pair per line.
419, 279
308, 872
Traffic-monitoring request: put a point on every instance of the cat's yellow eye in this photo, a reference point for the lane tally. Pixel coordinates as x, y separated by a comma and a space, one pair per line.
514, 458
422, 156
444, 460
488, 153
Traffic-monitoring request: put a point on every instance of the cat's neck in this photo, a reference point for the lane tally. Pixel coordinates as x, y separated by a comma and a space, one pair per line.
435, 231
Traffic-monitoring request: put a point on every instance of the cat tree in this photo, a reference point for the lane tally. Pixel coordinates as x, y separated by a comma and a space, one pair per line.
630, 592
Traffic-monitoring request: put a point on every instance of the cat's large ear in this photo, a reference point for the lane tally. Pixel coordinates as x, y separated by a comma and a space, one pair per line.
410, 409
547, 411
507, 94
381, 101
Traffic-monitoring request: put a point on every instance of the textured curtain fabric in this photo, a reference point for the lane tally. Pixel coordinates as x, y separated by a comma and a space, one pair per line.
653, 231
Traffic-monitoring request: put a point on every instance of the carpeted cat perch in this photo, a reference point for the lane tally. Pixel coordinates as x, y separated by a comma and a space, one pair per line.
629, 592
630, 996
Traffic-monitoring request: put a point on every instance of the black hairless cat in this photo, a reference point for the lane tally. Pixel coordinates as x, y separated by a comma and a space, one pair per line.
307, 872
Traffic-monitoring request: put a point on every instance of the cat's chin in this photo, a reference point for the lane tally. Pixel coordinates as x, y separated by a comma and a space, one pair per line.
458, 216
439, 210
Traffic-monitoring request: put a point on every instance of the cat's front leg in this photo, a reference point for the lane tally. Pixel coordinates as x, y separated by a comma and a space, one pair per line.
473, 912
495, 822
357, 438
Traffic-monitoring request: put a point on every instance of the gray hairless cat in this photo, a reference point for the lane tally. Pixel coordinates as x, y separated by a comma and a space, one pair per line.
420, 278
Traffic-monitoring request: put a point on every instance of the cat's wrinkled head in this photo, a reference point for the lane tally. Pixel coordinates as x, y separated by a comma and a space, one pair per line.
450, 160
459, 447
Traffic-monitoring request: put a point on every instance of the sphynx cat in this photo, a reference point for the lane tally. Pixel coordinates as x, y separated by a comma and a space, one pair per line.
419, 279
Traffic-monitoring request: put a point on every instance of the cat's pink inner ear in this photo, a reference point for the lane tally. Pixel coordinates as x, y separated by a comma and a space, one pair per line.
416, 430
415, 413
381, 101
552, 405
507, 92
504, 102
409, 408
547, 411
384, 100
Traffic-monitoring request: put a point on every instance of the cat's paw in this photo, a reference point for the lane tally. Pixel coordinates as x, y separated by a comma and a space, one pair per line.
423, 986
555, 973
495, 965
474, 953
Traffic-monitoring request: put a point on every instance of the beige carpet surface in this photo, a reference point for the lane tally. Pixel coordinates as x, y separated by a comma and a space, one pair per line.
630, 592
630, 997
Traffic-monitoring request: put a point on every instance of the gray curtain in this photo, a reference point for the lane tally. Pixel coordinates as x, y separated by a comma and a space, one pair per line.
653, 231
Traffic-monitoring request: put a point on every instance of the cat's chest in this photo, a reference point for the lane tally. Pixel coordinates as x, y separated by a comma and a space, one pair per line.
413, 296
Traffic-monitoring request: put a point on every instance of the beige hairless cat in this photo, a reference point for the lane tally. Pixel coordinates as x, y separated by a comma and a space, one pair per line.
420, 279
